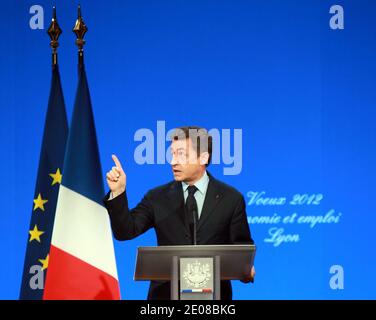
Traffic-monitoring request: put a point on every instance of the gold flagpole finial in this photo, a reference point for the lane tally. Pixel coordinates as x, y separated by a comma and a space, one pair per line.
80, 29
54, 32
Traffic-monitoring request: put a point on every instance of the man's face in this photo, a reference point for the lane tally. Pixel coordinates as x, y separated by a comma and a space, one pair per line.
186, 165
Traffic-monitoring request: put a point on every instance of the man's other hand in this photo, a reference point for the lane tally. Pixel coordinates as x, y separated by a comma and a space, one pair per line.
250, 277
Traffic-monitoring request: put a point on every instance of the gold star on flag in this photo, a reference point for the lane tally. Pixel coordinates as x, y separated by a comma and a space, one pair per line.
44, 262
39, 203
35, 234
56, 177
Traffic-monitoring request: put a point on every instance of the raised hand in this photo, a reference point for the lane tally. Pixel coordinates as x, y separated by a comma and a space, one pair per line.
116, 178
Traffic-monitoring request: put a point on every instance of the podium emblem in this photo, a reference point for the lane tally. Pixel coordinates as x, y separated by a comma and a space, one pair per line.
197, 274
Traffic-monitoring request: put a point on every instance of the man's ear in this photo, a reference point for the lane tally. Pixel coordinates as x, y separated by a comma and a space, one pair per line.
204, 158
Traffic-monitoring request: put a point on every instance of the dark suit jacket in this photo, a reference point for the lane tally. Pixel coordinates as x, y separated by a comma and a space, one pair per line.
223, 220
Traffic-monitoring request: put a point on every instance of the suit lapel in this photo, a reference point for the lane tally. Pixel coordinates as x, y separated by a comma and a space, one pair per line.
212, 198
176, 201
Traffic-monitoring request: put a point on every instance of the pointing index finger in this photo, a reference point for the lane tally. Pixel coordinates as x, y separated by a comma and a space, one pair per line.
117, 162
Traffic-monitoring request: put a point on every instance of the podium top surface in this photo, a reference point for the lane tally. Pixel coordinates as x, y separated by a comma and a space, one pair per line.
155, 263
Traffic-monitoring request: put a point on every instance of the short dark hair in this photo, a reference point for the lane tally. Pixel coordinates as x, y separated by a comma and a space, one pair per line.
201, 140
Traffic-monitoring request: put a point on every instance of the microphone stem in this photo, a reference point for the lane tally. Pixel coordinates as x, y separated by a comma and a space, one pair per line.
194, 228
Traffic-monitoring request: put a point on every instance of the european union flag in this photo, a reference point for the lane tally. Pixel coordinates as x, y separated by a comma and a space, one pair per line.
46, 192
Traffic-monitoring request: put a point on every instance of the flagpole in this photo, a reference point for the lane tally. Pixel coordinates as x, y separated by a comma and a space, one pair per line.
54, 31
80, 29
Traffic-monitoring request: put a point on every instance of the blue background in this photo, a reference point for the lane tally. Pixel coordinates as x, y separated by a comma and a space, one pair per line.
303, 94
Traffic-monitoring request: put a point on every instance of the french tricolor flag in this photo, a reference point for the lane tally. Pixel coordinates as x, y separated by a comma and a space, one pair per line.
82, 262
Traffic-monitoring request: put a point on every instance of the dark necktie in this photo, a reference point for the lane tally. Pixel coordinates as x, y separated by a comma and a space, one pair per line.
192, 211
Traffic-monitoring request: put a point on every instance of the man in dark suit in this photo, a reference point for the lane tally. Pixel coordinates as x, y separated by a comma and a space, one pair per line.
195, 208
